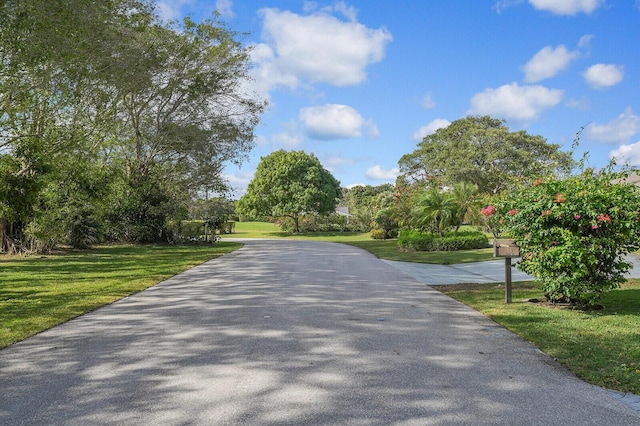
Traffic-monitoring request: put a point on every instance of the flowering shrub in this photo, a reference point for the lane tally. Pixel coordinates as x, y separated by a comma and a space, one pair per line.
573, 233
492, 216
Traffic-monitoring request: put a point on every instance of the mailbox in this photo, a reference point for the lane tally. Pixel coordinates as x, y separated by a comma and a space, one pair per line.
505, 248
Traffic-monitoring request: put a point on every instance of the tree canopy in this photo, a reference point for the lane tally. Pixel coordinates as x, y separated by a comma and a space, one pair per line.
289, 184
113, 119
482, 151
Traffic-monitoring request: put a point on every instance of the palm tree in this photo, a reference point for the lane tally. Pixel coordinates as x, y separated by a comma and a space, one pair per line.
440, 209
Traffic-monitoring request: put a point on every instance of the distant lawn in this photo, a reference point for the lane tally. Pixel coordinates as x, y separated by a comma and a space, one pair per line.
383, 249
38, 292
601, 347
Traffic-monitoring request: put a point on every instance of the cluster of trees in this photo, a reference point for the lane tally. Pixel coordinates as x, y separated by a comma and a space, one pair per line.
457, 169
112, 123
443, 182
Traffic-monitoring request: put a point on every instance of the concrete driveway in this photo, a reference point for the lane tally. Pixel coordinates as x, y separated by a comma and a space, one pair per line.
292, 333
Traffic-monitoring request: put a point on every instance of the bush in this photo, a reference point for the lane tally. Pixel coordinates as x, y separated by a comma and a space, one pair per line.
574, 232
378, 234
424, 241
415, 240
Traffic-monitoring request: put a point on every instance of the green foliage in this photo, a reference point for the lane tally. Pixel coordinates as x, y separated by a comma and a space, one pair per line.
103, 89
482, 151
289, 184
384, 219
378, 234
415, 240
317, 223
425, 241
574, 232
365, 201
438, 209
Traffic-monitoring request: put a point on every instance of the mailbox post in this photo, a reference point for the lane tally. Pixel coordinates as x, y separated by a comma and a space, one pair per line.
506, 249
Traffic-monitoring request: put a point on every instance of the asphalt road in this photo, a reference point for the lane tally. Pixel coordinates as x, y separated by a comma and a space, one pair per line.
292, 332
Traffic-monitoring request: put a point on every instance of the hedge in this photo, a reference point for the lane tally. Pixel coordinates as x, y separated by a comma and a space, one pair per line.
425, 241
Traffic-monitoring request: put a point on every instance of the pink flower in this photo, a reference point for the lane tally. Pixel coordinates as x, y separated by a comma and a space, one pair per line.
577, 217
513, 212
488, 211
594, 227
603, 218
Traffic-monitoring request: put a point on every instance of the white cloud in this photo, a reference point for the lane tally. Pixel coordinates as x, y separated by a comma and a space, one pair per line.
316, 48
338, 161
600, 76
169, 10
428, 102
332, 121
372, 130
239, 181
335, 163
581, 104
291, 138
548, 62
438, 123
501, 5
512, 101
378, 173
618, 130
355, 184
341, 7
567, 7
585, 41
225, 7
627, 154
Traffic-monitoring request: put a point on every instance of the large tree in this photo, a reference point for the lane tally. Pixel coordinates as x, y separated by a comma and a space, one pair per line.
52, 54
160, 108
183, 112
289, 184
482, 151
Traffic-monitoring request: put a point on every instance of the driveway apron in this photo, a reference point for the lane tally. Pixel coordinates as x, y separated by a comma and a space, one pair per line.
292, 332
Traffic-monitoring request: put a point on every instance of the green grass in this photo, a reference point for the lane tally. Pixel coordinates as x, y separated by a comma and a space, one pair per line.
38, 292
383, 249
602, 347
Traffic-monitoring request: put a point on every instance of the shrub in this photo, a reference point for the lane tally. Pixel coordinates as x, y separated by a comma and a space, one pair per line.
415, 240
424, 241
574, 232
378, 234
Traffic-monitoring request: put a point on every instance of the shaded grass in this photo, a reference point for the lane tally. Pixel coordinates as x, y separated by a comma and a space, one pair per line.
38, 292
601, 347
383, 249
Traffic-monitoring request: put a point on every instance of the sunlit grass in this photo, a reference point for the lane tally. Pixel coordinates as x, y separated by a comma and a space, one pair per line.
38, 292
383, 249
602, 347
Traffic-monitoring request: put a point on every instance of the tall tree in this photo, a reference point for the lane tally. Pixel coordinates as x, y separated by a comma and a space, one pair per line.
104, 81
482, 151
51, 53
289, 184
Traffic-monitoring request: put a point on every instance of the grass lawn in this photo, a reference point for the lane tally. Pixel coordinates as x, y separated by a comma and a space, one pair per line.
602, 347
38, 292
383, 249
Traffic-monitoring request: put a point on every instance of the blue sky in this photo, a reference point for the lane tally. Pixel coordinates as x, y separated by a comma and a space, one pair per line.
358, 83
